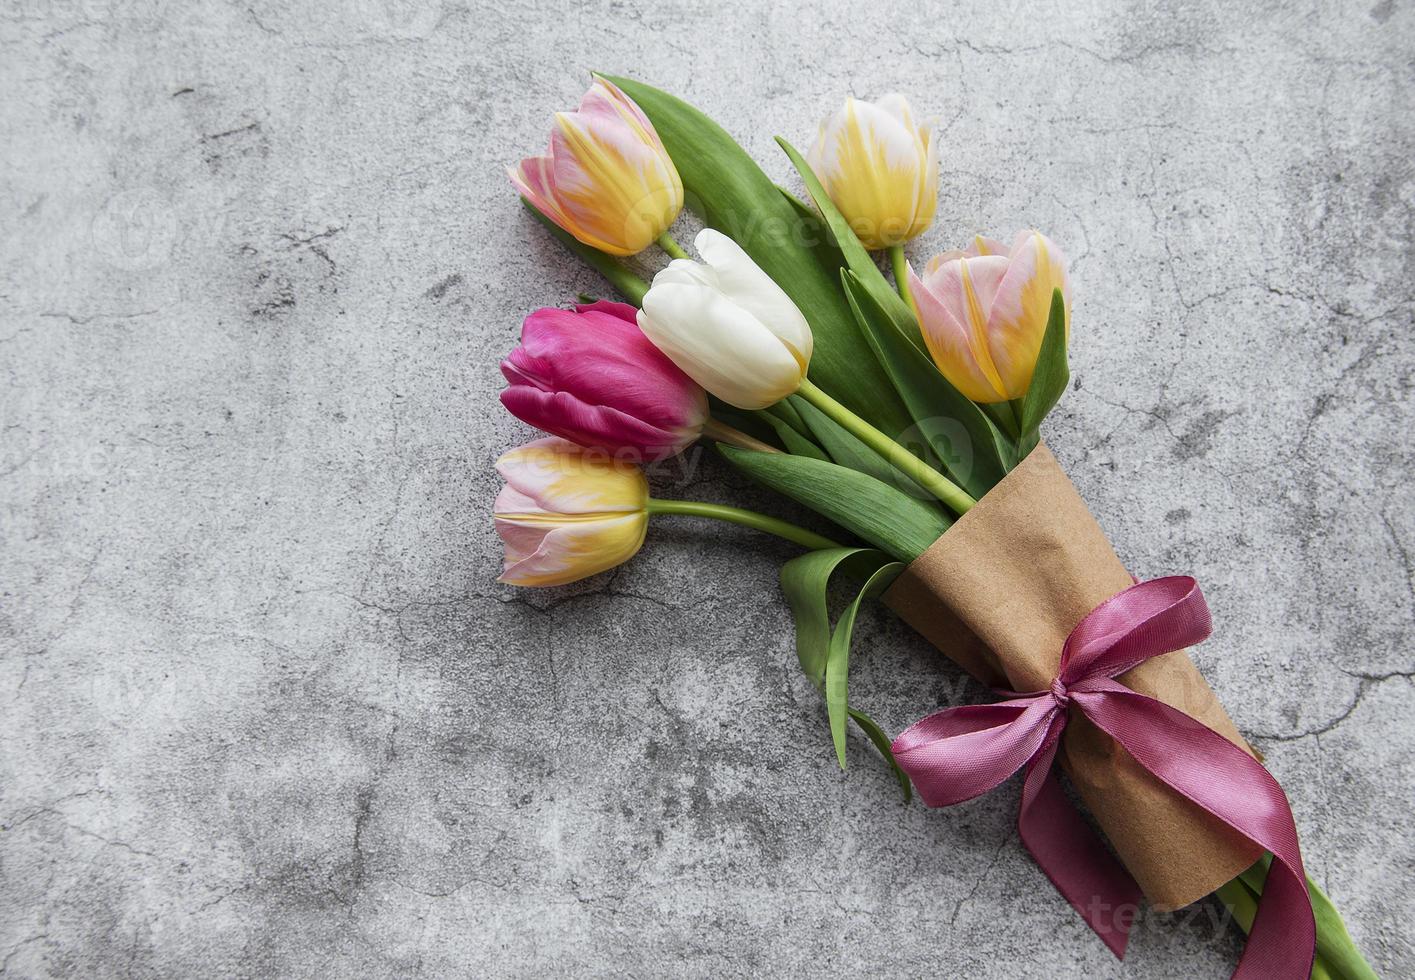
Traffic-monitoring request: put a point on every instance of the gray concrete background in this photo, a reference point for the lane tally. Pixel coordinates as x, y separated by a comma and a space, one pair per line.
266, 712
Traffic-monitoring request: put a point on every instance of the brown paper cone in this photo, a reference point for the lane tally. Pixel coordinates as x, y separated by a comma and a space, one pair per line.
999, 593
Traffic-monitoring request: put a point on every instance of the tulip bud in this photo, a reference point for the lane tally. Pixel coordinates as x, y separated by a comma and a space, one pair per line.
880, 169
607, 181
727, 325
984, 312
567, 512
591, 376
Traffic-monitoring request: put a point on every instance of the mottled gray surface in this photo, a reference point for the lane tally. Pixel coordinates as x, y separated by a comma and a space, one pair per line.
266, 712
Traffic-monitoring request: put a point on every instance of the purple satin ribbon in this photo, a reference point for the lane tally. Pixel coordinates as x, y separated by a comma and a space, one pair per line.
961, 753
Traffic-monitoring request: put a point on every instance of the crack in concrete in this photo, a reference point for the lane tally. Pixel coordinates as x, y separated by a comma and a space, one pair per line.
1364, 683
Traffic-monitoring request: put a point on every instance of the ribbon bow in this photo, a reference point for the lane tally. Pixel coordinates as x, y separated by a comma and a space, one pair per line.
961, 753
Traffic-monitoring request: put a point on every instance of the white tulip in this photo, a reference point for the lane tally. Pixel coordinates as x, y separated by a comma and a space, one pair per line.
727, 325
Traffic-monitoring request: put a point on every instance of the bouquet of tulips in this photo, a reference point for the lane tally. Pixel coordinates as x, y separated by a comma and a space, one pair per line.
907, 415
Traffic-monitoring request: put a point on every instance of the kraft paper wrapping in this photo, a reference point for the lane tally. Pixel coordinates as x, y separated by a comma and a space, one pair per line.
999, 593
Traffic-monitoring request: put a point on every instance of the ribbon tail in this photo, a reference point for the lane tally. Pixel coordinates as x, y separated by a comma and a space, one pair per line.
1206, 768
1071, 854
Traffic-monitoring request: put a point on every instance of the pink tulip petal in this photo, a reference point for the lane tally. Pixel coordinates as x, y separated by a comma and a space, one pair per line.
520, 539
623, 311
983, 245
594, 378
606, 99
979, 245
562, 414
532, 180
942, 259
950, 342
966, 287
512, 501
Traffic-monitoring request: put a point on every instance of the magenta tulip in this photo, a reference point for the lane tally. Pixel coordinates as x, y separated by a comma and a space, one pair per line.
591, 376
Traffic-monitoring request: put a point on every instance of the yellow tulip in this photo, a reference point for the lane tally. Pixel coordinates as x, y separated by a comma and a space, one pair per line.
880, 169
984, 312
567, 512
607, 180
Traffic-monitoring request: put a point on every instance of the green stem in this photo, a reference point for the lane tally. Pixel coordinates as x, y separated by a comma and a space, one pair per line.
747, 518
1240, 901
906, 462
670, 245
630, 286
1337, 956
901, 277
1016, 404
722, 432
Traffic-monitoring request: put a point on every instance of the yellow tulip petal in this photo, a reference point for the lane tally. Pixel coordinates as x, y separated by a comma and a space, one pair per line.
567, 512
608, 180
568, 551
1018, 317
879, 169
563, 478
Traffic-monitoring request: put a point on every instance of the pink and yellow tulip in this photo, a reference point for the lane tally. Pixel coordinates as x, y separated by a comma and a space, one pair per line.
591, 376
567, 512
984, 312
607, 179
880, 168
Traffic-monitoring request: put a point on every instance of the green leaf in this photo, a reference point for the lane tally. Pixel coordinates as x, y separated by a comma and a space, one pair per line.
814, 234
793, 441
754, 424
785, 411
1003, 416
847, 450
1334, 943
630, 286
837, 664
805, 581
881, 741
856, 257
1051, 374
889, 519
732, 194
955, 432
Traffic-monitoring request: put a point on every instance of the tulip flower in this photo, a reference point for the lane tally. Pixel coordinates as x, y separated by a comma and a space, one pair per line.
727, 325
591, 376
567, 512
880, 169
607, 180
736, 333
984, 312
